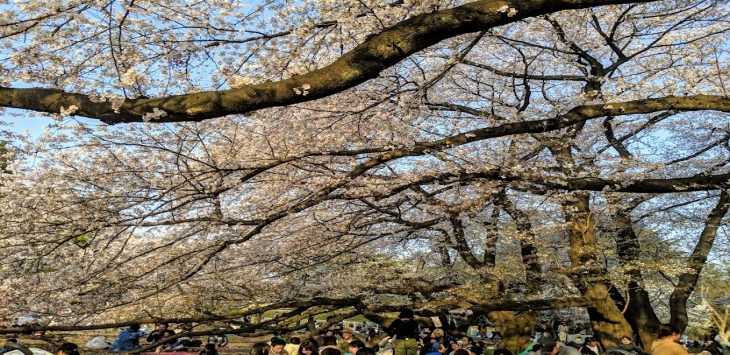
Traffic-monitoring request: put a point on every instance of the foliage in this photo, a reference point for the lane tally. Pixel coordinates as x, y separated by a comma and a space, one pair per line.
365, 155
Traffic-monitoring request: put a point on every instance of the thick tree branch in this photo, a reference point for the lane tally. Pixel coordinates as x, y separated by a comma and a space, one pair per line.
461, 245
695, 183
528, 250
345, 302
364, 62
696, 262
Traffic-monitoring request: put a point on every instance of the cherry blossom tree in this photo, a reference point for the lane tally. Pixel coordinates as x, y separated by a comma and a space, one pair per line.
308, 156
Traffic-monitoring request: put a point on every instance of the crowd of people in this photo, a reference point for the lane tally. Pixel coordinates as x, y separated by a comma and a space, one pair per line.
405, 337
667, 343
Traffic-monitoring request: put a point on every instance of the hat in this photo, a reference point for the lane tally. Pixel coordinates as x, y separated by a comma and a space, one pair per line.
406, 313
547, 344
346, 330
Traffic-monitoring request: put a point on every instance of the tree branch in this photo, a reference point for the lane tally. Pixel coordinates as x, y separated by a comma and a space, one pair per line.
696, 262
379, 52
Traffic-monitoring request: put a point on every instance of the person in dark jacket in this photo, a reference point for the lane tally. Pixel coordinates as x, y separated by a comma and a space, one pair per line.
404, 333
209, 349
714, 348
591, 346
628, 345
159, 332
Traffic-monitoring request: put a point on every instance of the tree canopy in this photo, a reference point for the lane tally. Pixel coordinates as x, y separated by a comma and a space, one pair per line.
362, 155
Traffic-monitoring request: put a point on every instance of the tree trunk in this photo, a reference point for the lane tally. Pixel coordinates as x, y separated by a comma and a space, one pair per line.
688, 280
608, 323
640, 314
637, 305
517, 328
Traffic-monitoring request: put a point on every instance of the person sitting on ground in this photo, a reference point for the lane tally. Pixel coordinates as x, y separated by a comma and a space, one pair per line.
695, 347
158, 333
277, 346
218, 340
627, 345
666, 342
371, 333
68, 349
354, 346
260, 349
164, 344
209, 349
127, 340
714, 348
292, 347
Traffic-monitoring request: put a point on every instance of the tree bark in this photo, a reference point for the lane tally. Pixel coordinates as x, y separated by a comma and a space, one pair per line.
517, 328
607, 321
688, 280
637, 308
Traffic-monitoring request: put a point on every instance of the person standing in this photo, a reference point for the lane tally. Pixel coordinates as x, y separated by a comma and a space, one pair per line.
404, 333
563, 332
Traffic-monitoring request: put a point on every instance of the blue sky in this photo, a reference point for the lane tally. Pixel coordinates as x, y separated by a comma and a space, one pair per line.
34, 125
